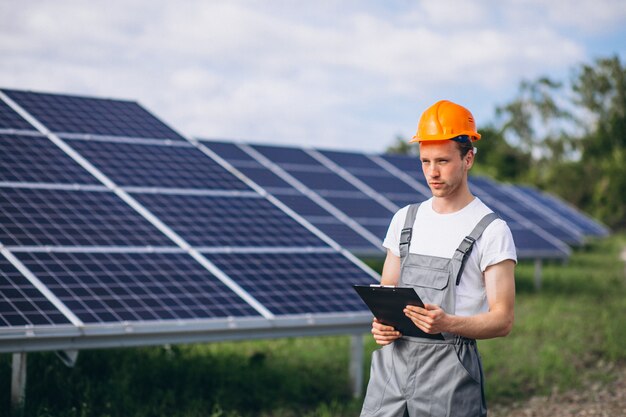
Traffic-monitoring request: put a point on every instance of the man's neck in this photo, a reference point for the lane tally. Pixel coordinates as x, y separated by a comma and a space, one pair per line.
452, 204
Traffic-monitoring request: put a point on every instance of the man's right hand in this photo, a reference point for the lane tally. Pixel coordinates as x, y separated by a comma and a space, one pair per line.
383, 334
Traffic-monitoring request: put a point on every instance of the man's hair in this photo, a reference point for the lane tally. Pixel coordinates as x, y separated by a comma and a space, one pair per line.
464, 147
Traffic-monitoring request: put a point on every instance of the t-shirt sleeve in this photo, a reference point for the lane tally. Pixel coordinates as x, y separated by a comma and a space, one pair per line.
497, 245
392, 239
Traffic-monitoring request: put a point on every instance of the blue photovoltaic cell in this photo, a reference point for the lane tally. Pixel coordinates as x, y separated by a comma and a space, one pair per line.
228, 221
351, 160
282, 155
74, 218
9, 119
264, 177
378, 230
364, 207
302, 205
74, 114
322, 181
37, 159
327, 223
21, 304
588, 226
114, 287
402, 200
410, 165
346, 236
297, 283
165, 166
388, 184
228, 151
527, 240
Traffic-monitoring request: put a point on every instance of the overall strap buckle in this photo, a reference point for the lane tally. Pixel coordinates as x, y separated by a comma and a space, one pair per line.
407, 231
465, 248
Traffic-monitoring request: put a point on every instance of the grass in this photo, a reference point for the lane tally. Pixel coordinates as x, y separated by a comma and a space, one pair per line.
564, 335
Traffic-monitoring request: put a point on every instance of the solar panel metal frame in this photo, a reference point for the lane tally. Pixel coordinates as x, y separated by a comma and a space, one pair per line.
83, 335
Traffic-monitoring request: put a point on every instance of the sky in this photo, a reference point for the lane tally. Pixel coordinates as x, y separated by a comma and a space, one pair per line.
334, 74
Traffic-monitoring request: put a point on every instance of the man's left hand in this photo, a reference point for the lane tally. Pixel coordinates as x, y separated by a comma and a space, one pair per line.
431, 319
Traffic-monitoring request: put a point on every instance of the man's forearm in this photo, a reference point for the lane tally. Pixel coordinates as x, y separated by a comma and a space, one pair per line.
481, 326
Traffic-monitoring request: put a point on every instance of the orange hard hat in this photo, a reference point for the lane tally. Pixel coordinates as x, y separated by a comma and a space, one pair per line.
445, 120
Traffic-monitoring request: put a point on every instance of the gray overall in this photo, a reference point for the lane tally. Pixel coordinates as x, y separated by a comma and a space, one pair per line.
421, 377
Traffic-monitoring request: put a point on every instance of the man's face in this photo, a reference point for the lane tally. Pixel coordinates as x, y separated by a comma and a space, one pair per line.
443, 167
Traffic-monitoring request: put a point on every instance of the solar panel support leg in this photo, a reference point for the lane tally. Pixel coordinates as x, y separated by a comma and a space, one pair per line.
18, 380
356, 364
538, 267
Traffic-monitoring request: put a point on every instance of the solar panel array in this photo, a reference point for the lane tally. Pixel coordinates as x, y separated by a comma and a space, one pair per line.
114, 224
368, 189
112, 221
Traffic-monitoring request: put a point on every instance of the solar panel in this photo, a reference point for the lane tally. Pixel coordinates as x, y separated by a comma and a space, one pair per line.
410, 165
37, 159
118, 231
376, 177
61, 217
157, 165
319, 216
584, 224
361, 208
347, 236
9, 119
118, 287
324, 181
332, 187
297, 283
303, 205
21, 304
355, 162
85, 115
228, 221
267, 179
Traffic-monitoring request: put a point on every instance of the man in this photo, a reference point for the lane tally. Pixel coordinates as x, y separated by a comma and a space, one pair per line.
460, 258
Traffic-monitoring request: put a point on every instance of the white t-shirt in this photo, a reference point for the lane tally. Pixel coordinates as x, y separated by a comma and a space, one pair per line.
440, 235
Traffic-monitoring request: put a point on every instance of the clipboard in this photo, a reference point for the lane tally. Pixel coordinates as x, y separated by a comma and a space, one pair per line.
387, 303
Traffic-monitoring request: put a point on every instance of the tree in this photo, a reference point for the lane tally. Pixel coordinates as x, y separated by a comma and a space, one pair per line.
497, 158
401, 146
576, 136
600, 90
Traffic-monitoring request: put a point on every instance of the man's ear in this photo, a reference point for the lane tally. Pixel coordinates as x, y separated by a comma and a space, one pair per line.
469, 159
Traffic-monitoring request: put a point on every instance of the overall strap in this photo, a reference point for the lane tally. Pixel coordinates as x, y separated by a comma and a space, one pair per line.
407, 230
464, 250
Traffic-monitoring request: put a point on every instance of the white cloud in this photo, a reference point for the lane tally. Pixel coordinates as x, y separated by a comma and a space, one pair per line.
588, 16
322, 73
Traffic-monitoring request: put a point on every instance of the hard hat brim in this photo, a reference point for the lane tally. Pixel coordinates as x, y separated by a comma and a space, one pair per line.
472, 135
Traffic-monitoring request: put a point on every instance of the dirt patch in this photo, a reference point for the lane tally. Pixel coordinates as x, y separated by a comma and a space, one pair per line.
594, 400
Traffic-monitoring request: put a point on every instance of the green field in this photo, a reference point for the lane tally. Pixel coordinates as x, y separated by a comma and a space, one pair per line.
569, 332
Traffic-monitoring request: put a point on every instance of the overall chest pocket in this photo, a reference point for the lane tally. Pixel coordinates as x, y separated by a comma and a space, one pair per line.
430, 279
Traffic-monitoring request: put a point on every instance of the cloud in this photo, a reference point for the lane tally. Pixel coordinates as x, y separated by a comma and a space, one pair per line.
586, 16
312, 73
